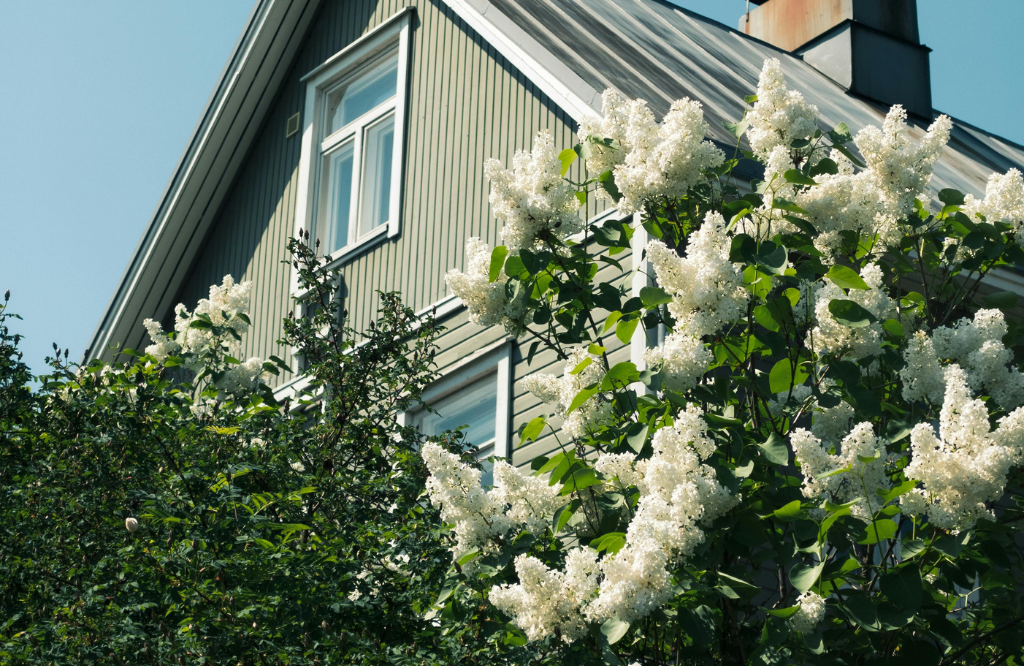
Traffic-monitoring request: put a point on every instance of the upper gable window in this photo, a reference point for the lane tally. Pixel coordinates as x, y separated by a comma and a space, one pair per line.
352, 151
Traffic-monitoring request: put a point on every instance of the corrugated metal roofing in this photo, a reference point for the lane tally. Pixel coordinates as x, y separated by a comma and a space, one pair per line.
659, 52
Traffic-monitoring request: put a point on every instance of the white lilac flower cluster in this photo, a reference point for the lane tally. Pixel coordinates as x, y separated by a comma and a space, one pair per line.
707, 292
650, 161
478, 516
545, 599
227, 300
678, 494
559, 392
828, 336
875, 200
1003, 202
612, 125
861, 479
779, 116
976, 345
486, 301
810, 613
532, 197
966, 464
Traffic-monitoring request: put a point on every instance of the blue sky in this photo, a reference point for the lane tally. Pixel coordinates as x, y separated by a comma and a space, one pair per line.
98, 98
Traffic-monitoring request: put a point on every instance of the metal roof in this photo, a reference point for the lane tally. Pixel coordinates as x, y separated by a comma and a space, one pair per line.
660, 52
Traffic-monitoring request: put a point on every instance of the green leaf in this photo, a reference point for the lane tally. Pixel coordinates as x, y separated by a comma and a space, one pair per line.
532, 430
846, 277
581, 366
514, 267
1004, 300
468, 557
775, 450
564, 514
782, 378
850, 314
195, 323
951, 197
578, 480
624, 330
607, 181
567, 157
783, 613
610, 320
841, 134
737, 129
850, 156
903, 587
878, 531
894, 328
798, 177
614, 629
861, 611
825, 165
803, 576
619, 376
652, 297
912, 547
498, 255
789, 512
636, 435
901, 489
582, 397
611, 542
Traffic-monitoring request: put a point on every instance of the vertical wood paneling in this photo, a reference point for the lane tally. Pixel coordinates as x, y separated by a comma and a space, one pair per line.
466, 104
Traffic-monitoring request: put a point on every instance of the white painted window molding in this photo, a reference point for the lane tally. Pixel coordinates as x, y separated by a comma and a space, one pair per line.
353, 143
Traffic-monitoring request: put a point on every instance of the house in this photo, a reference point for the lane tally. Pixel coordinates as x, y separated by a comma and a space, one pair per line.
368, 121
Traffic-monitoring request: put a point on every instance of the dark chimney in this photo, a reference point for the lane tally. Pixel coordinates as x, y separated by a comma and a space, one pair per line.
872, 47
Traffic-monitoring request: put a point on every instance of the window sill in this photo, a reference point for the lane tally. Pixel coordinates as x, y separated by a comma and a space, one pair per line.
351, 252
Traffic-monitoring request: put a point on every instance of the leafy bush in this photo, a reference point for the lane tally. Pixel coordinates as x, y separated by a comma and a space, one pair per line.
164, 508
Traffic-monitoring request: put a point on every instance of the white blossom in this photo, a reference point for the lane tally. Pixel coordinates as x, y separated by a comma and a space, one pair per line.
1003, 202
779, 116
707, 288
922, 376
860, 480
613, 124
665, 160
532, 197
976, 345
677, 494
162, 346
559, 392
545, 599
682, 359
485, 300
828, 336
528, 500
475, 514
899, 169
810, 614
966, 464
131, 524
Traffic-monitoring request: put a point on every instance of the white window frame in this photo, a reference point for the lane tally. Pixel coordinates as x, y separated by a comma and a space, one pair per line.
393, 34
494, 359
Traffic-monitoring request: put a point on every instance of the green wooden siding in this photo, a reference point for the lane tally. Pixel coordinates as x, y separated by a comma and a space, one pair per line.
466, 103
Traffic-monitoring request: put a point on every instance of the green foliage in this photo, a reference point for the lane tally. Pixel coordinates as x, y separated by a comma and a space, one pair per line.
268, 533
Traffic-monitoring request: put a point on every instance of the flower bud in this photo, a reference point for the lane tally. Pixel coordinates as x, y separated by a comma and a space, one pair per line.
131, 524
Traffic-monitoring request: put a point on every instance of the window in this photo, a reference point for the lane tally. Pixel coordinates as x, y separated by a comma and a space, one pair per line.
474, 394
352, 146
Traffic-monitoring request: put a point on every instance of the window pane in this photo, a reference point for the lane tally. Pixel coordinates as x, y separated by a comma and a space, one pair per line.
367, 91
379, 142
474, 405
336, 189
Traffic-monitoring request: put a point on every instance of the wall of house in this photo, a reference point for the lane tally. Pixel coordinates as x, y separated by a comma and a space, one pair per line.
466, 103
